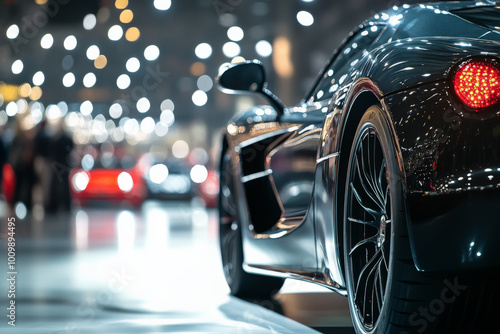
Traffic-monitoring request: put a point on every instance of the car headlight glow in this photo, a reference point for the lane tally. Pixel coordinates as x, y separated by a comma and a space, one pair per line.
158, 173
81, 181
199, 173
125, 182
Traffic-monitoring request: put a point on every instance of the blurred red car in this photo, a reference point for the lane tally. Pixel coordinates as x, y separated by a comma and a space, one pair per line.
108, 181
8, 183
209, 189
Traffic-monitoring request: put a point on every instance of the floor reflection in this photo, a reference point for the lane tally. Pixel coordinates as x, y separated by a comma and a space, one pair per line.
154, 269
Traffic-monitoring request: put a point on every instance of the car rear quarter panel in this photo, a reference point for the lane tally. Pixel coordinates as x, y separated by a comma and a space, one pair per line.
452, 166
410, 79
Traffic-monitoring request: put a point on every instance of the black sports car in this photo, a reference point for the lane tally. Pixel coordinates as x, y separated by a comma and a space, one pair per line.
383, 184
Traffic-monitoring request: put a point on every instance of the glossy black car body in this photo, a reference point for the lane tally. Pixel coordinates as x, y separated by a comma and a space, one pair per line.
289, 166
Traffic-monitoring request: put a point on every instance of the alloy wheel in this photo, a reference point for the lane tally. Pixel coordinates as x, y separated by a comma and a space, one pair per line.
368, 226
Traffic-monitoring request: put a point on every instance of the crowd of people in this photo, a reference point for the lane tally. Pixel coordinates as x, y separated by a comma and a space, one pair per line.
40, 159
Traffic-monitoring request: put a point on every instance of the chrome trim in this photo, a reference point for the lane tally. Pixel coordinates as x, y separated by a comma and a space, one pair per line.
257, 175
283, 227
270, 134
326, 157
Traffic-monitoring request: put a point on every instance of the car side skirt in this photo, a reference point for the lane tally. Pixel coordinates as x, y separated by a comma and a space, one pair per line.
311, 277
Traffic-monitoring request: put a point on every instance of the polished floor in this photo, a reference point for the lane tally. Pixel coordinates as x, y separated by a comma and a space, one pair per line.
150, 270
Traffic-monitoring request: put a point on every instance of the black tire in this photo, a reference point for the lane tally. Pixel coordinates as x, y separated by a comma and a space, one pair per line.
241, 283
386, 292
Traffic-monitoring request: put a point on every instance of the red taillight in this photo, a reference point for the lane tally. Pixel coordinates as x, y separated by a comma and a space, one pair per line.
477, 84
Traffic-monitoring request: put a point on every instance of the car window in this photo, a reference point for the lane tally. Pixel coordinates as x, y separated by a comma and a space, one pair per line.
346, 58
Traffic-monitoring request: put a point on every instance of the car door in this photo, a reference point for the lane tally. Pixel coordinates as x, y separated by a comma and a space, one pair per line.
289, 154
278, 169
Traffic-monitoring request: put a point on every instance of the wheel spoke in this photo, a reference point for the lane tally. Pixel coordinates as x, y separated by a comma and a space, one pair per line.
364, 222
370, 176
365, 207
381, 286
365, 274
378, 292
370, 287
368, 183
367, 186
376, 176
364, 242
369, 277
381, 175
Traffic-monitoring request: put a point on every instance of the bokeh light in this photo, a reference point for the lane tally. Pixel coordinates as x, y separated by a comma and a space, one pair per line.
162, 4
12, 32
199, 98
115, 33
205, 83
231, 49
132, 34
235, 34
89, 80
123, 81
158, 173
305, 18
203, 50
93, 52
180, 149
68, 79
89, 21
133, 65
148, 125
151, 52
263, 48
143, 105
38, 78
70, 42
126, 16
121, 4
198, 69
47, 41
86, 107
100, 62
167, 117
198, 173
115, 110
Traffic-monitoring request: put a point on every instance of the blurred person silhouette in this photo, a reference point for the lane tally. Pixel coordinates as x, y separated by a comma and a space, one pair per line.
21, 158
42, 164
59, 152
3, 161
3, 157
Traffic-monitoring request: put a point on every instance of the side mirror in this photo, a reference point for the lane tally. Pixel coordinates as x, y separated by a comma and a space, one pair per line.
248, 77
